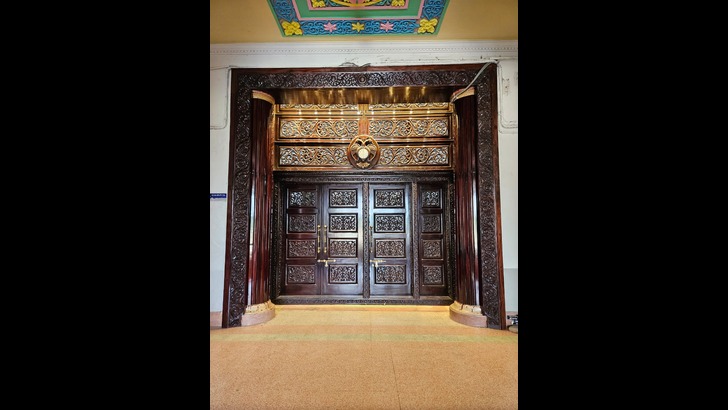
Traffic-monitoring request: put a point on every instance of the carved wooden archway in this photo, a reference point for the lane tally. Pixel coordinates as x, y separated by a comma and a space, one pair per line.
479, 267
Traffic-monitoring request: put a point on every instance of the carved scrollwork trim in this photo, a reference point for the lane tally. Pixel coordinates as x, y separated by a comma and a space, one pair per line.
491, 291
409, 128
337, 129
277, 241
366, 282
415, 241
403, 156
450, 229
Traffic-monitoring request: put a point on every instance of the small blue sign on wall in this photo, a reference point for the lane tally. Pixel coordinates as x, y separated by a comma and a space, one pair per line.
218, 195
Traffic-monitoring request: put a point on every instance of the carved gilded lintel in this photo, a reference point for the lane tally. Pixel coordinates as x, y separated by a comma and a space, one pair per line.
422, 156
315, 158
310, 137
401, 128
336, 129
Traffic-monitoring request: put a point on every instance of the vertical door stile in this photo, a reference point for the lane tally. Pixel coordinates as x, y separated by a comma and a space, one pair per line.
366, 242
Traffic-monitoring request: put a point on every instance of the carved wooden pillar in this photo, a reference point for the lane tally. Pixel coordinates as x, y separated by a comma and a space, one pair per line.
467, 256
479, 295
259, 307
465, 309
255, 293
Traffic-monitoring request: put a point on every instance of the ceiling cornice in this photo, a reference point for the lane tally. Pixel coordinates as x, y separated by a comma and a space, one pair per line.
340, 53
505, 48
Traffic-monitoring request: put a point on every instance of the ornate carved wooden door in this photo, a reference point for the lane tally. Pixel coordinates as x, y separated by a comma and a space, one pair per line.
390, 262
342, 241
301, 244
323, 240
369, 238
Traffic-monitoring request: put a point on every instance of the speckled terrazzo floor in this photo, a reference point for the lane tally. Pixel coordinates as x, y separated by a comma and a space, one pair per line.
363, 357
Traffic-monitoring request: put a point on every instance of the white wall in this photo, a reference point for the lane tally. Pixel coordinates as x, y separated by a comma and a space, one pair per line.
335, 54
508, 166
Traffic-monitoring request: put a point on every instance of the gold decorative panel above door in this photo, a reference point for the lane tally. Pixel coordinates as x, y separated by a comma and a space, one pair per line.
401, 137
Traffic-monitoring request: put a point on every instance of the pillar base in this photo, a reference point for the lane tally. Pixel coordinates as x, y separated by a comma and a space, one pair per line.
256, 314
468, 315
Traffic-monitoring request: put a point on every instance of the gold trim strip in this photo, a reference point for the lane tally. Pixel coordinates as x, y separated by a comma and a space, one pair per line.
317, 107
410, 108
260, 95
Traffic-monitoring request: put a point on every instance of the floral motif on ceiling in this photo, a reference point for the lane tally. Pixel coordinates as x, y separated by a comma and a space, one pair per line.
358, 17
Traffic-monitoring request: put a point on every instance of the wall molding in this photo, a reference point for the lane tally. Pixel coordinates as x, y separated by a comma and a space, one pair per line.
333, 53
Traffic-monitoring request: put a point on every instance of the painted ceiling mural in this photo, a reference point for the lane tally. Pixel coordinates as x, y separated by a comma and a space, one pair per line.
358, 17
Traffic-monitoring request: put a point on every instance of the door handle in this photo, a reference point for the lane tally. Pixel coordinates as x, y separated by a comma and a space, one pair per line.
326, 240
376, 262
371, 242
318, 243
326, 261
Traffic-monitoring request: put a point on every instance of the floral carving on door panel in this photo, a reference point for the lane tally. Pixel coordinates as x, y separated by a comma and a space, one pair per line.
431, 224
342, 198
300, 274
389, 248
389, 223
431, 199
342, 248
302, 248
388, 198
342, 274
432, 249
342, 223
433, 275
302, 199
390, 274
301, 223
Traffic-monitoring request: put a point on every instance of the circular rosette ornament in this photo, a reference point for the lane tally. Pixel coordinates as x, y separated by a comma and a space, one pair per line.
363, 152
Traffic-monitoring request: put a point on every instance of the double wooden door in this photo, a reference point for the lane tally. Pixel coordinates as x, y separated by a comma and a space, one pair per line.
339, 236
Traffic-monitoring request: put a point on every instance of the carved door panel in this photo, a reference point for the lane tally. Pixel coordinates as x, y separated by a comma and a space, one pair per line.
301, 241
323, 240
390, 240
433, 242
342, 242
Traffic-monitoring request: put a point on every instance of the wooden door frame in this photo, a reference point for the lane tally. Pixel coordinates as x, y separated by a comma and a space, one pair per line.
486, 215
